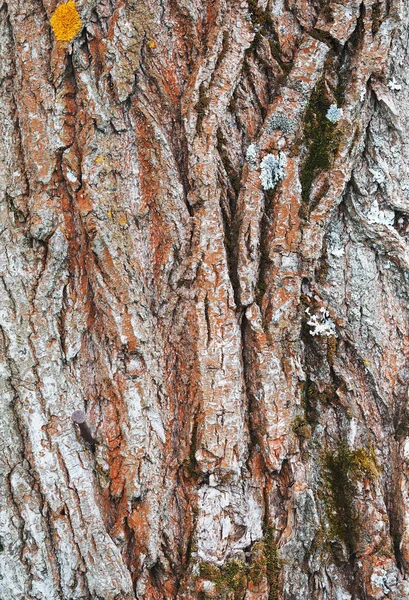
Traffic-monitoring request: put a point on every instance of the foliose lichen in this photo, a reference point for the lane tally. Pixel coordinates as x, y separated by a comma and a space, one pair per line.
281, 122
334, 113
252, 156
321, 323
66, 21
381, 217
272, 170
394, 85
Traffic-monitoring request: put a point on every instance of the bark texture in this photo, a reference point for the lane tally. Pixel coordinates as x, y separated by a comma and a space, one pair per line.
234, 325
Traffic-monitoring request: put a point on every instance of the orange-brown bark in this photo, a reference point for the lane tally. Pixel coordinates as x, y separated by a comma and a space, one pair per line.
203, 246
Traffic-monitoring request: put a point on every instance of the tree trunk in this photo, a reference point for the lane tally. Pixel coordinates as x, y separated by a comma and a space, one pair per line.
203, 246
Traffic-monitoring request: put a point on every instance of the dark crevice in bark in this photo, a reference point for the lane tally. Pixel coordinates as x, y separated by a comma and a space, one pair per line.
347, 56
322, 139
230, 216
265, 261
206, 311
252, 408
83, 571
394, 503
271, 537
102, 21
11, 81
201, 107
181, 154
247, 75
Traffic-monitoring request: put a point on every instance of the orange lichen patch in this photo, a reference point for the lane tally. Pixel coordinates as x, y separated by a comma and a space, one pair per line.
66, 21
152, 44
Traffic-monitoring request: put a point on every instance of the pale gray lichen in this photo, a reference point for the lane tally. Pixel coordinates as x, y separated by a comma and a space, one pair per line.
334, 113
378, 175
320, 323
394, 85
272, 170
252, 156
279, 121
381, 217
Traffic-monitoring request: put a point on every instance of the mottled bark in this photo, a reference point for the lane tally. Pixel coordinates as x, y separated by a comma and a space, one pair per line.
239, 348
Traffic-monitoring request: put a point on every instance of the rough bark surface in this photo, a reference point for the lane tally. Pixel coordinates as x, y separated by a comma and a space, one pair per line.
241, 354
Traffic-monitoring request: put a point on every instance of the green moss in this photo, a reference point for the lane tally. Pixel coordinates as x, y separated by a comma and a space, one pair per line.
257, 568
311, 399
364, 461
209, 571
301, 428
322, 139
332, 346
341, 513
261, 290
234, 576
230, 577
344, 468
273, 563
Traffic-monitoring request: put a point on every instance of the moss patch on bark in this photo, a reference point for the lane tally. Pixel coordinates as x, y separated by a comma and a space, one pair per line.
343, 469
322, 138
232, 578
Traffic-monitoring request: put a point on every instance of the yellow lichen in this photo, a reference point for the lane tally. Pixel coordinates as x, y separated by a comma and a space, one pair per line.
66, 21
152, 44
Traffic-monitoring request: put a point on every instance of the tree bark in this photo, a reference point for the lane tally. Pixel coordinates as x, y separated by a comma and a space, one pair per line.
204, 248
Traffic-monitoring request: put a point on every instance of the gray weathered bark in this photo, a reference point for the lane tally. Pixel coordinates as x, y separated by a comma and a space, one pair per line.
204, 247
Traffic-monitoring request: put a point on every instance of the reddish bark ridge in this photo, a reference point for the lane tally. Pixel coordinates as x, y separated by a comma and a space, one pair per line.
204, 241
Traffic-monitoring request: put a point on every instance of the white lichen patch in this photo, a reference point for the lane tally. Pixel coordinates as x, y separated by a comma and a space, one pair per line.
394, 85
272, 170
321, 323
378, 175
252, 156
334, 113
382, 217
337, 252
